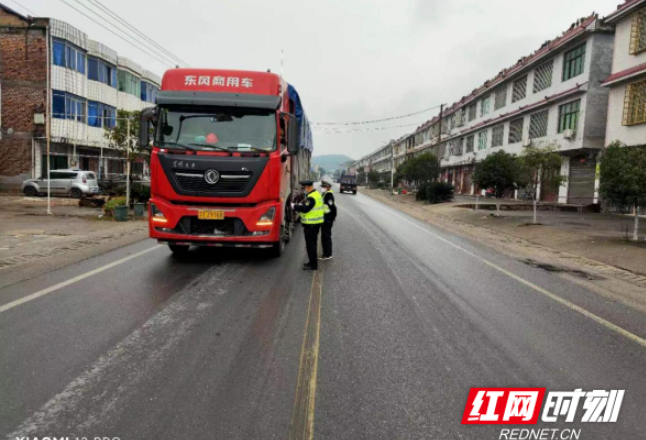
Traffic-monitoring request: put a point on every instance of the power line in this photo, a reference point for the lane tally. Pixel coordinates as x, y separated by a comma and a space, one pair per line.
134, 29
336, 130
119, 36
377, 120
33, 14
125, 32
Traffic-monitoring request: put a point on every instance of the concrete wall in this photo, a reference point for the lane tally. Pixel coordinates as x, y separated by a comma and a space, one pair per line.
595, 112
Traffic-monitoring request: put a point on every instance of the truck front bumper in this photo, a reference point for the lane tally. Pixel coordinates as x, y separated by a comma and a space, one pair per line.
176, 223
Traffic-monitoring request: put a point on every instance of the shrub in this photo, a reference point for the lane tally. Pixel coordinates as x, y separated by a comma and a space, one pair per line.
112, 203
140, 193
438, 192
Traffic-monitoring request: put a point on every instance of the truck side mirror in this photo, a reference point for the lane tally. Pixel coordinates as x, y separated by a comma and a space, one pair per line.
147, 116
293, 134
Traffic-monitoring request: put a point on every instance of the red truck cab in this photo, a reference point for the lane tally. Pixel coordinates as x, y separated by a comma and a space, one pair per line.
228, 149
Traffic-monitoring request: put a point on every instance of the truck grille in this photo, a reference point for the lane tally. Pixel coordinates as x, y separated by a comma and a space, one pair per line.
230, 181
228, 227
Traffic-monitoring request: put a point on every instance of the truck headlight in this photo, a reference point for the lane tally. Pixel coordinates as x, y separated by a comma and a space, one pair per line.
157, 215
267, 219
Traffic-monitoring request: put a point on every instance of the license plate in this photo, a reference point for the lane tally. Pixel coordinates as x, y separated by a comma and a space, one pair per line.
210, 215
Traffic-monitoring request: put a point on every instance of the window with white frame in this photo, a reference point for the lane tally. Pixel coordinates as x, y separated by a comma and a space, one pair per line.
482, 140
516, 128
519, 89
538, 124
497, 135
569, 116
469, 144
472, 112
485, 105
501, 98
543, 76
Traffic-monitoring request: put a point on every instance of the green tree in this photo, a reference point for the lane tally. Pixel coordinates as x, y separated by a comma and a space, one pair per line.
623, 178
537, 166
361, 176
118, 135
424, 168
498, 171
373, 178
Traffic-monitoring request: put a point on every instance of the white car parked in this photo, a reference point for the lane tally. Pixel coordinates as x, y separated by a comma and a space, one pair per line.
74, 183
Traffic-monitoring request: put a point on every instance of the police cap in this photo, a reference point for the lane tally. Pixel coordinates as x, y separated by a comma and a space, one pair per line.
306, 182
326, 183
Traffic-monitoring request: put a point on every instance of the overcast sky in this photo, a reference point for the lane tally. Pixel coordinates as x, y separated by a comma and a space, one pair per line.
350, 60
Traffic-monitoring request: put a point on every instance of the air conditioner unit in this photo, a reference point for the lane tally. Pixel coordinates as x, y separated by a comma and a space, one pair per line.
527, 142
568, 134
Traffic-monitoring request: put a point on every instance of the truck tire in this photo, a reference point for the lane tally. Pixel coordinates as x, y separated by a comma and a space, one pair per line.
178, 249
278, 248
354, 192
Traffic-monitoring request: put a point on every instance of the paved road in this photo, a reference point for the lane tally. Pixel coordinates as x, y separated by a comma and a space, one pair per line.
384, 343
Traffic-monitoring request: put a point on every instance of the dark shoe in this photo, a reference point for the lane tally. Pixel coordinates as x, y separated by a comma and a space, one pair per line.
310, 268
325, 257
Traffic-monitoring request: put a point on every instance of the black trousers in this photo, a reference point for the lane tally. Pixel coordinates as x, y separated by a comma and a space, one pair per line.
326, 238
311, 243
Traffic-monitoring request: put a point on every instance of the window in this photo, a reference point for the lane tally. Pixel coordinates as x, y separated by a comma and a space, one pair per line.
569, 116
469, 148
635, 103
520, 89
55, 163
497, 136
129, 83
482, 140
538, 125
65, 54
456, 147
516, 128
101, 115
501, 98
638, 32
485, 105
543, 76
68, 106
101, 71
573, 62
472, 112
148, 92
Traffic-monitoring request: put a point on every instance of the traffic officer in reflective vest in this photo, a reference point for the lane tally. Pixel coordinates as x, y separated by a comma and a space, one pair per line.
329, 208
311, 219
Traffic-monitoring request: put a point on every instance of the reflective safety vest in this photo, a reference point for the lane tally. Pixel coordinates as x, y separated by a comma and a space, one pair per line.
326, 207
315, 216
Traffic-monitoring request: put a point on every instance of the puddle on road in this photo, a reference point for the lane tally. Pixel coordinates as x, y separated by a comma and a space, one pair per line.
561, 269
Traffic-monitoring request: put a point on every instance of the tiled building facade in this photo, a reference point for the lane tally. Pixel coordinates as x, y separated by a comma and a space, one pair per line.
551, 97
88, 83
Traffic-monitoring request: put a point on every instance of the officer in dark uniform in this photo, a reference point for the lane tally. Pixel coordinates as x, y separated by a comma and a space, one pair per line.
312, 216
329, 208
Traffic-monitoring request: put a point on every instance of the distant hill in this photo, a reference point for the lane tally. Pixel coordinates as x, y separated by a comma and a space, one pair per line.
331, 162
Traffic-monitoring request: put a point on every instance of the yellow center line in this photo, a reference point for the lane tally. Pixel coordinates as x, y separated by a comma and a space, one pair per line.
302, 426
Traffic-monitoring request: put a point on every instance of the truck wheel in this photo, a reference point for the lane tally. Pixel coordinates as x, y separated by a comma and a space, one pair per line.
178, 249
288, 233
278, 249
354, 192
30, 191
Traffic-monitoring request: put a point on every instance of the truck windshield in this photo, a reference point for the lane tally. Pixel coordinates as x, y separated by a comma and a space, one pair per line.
216, 128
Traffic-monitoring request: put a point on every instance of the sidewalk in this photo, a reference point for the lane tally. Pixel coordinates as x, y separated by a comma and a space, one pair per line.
593, 248
33, 241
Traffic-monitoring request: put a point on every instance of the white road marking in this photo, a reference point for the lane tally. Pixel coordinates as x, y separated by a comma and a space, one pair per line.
609, 325
60, 285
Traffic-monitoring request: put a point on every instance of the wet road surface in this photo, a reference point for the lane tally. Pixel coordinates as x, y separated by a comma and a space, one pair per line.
384, 343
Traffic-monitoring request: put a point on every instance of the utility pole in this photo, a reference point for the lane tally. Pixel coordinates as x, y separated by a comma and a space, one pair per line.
392, 168
439, 140
128, 163
48, 122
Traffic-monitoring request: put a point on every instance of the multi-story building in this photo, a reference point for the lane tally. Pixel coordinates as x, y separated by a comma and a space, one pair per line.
627, 82
87, 83
380, 160
551, 97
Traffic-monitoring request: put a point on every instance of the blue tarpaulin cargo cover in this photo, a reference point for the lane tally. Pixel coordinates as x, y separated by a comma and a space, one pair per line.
303, 123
